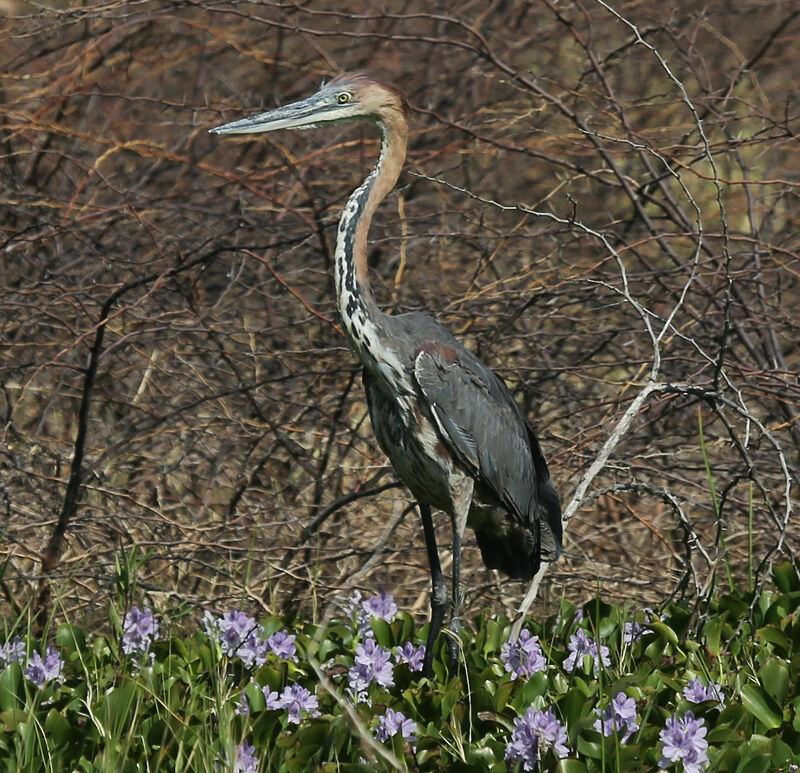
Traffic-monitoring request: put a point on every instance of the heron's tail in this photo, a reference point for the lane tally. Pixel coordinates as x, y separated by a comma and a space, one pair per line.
519, 551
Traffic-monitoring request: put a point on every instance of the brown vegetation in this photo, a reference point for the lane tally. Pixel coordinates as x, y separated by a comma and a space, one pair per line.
603, 204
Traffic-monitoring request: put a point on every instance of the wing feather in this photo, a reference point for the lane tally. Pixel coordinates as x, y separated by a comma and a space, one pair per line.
484, 429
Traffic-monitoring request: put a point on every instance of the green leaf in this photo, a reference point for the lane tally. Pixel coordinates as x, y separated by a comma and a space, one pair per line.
449, 700
774, 675
570, 766
785, 577
663, 630
71, 636
761, 706
771, 635
782, 755
11, 695
10, 718
384, 635
116, 709
57, 729
502, 696
588, 748
759, 763
713, 634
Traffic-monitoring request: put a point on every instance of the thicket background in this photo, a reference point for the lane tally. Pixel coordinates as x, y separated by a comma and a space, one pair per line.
601, 200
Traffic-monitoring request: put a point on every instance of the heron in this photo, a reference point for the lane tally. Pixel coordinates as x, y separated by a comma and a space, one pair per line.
451, 428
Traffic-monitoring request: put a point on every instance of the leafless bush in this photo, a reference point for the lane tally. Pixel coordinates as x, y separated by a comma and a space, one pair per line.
602, 206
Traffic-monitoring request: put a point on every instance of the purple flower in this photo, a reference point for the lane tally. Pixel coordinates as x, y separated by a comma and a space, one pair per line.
13, 651
296, 699
684, 740
246, 760
697, 692
282, 645
243, 706
633, 631
254, 649
239, 636
372, 664
581, 645
536, 731
381, 606
272, 697
139, 629
233, 629
524, 656
392, 723
619, 714
41, 671
410, 654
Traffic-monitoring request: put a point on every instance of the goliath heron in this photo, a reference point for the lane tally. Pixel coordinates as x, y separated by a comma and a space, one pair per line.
453, 432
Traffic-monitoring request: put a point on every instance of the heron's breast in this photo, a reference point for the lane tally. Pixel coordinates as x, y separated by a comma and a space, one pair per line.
418, 456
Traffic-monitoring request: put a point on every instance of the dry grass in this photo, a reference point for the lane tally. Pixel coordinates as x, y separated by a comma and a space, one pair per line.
588, 209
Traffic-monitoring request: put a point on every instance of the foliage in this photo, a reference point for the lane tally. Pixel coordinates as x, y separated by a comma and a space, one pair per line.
188, 706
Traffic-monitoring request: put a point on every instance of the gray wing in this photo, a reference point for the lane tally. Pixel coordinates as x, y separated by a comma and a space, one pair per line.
485, 430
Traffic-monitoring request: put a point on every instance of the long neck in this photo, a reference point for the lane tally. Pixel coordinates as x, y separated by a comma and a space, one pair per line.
357, 309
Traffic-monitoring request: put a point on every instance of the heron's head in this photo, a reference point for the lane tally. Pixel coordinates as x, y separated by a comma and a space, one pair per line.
348, 97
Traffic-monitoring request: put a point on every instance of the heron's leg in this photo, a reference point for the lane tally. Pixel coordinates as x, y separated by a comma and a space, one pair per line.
455, 622
462, 499
438, 589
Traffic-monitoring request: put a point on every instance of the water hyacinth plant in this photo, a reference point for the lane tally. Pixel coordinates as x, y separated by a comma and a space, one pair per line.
619, 716
41, 670
534, 734
393, 722
556, 696
373, 663
581, 646
523, 657
697, 692
139, 630
13, 651
684, 740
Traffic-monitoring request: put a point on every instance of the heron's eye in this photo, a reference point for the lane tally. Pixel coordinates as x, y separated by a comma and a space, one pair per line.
342, 97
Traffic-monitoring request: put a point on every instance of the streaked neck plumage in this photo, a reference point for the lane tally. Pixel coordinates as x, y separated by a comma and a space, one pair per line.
362, 319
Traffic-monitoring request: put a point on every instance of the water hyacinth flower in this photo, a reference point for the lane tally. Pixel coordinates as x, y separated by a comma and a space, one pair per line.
233, 629
684, 740
281, 644
139, 629
243, 706
618, 716
246, 760
13, 651
381, 606
696, 692
633, 631
536, 732
296, 699
393, 722
40, 670
372, 664
523, 657
580, 645
272, 697
413, 656
239, 636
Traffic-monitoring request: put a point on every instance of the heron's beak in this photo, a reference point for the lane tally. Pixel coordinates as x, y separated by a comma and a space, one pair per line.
305, 114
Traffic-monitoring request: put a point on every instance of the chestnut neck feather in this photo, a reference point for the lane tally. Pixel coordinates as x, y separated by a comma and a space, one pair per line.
357, 308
